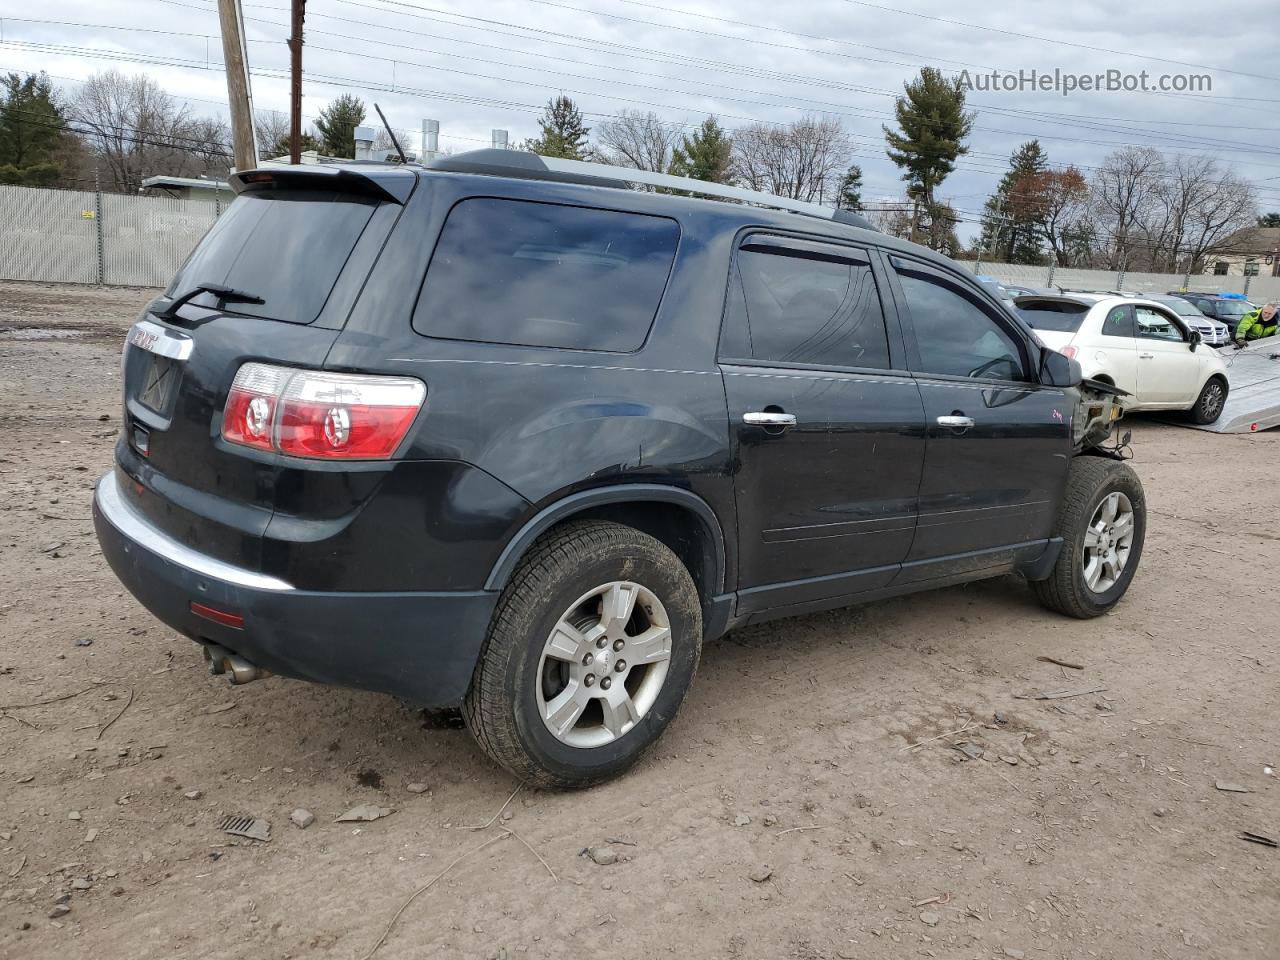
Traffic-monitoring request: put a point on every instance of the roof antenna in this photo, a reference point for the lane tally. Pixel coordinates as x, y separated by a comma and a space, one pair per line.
394, 142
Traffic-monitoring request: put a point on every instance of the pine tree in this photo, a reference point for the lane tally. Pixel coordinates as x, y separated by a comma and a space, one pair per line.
932, 127
337, 125
32, 130
850, 195
563, 134
705, 154
1011, 215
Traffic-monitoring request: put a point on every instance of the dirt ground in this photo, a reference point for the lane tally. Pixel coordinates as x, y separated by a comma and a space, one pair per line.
784, 815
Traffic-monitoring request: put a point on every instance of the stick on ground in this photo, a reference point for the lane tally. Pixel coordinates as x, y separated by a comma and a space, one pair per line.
103, 728
494, 819
1061, 663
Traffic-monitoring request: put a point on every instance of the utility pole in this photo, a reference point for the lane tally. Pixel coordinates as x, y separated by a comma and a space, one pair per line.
236, 59
295, 82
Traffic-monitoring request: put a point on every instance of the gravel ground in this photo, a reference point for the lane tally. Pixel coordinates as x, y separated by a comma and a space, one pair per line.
785, 813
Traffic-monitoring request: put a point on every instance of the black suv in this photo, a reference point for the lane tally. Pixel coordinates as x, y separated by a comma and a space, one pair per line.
1228, 310
502, 433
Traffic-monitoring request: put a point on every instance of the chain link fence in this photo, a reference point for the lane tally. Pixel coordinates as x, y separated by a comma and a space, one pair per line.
81, 236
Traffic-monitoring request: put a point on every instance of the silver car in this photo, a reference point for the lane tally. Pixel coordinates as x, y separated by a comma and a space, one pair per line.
1215, 333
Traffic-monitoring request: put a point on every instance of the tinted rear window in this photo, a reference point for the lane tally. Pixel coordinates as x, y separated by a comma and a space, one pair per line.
546, 275
285, 246
1062, 317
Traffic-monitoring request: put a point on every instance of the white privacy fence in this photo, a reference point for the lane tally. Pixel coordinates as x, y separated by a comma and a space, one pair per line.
75, 236
1257, 289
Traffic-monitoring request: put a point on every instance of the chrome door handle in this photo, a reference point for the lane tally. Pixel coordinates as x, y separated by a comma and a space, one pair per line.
955, 422
760, 418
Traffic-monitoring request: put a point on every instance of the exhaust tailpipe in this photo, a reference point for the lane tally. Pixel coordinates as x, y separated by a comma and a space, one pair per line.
237, 669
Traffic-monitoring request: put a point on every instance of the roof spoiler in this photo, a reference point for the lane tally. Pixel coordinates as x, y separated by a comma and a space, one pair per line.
390, 183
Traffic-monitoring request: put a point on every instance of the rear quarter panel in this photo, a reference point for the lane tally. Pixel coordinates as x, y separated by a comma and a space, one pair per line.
550, 422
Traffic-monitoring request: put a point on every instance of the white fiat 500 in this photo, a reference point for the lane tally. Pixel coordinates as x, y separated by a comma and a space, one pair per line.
1138, 345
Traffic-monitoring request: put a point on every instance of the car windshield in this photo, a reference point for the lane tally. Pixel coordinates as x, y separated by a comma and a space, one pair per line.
1052, 315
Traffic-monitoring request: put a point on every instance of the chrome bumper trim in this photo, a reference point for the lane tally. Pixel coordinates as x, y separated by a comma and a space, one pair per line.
131, 524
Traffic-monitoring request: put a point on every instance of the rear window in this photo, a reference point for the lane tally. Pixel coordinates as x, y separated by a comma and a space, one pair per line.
285, 246
1045, 315
546, 275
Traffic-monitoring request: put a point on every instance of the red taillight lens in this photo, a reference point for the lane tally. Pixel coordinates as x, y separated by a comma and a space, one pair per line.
311, 413
1069, 352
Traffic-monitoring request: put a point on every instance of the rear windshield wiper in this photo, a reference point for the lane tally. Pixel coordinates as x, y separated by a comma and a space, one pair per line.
223, 293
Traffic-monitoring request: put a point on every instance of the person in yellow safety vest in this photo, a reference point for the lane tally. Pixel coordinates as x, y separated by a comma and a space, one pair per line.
1257, 324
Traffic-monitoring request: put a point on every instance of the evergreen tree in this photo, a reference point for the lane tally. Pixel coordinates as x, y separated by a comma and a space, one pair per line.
33, 130
1011, 216
850, 195
337, 126
563, 134
932, 126
1269, 220
705, 154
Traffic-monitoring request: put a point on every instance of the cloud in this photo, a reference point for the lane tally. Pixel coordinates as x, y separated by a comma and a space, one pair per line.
475, 68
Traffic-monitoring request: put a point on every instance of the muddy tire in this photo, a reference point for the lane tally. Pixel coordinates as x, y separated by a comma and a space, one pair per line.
591, 650
1208, 406
1102, 523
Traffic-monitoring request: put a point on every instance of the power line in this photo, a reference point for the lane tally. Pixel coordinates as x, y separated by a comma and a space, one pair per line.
1061, 43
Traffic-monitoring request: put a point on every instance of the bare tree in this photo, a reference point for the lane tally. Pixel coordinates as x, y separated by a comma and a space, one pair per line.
893, 217
1123, 192
804, 161
136, 130
1196, 206
638, 140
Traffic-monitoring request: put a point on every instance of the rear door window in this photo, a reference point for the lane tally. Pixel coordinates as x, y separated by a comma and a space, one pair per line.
802, 302
285, 246
546, 275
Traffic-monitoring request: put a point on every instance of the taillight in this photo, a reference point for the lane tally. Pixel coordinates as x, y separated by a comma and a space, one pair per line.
319, 415
1069, 352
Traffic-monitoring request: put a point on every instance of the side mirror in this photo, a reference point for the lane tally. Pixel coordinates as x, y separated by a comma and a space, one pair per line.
1195, 340
1057, 370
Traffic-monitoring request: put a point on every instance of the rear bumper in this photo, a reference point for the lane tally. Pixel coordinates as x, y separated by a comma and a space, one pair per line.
420, 646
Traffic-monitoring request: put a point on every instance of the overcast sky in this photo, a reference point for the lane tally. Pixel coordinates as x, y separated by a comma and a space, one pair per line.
743, 60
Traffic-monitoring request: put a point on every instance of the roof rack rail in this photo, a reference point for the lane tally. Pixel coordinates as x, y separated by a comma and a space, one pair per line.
532, 166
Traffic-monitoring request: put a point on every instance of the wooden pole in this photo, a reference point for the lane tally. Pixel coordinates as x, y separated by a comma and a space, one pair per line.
236, 60
295, 81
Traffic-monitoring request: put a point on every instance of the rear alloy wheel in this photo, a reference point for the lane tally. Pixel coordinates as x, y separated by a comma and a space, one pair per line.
1103, 524
591, 651
604, 664
1213, 397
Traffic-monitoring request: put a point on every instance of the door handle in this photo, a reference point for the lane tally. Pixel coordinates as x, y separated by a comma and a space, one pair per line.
1146, 356
955, 422
766, 418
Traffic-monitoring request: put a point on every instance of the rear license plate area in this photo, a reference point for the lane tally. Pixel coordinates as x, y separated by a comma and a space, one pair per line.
158, 385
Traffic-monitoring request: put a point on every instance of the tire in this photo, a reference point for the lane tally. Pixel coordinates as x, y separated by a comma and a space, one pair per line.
1213, 397
519, 677
1067, 590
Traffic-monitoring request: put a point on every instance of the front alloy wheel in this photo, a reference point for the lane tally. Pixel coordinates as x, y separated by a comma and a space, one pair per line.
1108, 541
1102, 522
